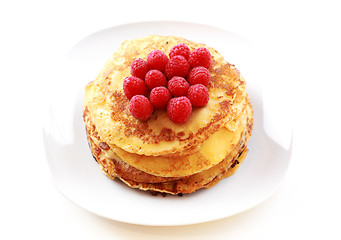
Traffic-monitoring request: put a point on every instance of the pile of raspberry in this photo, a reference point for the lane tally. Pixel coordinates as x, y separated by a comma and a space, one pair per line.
176, 83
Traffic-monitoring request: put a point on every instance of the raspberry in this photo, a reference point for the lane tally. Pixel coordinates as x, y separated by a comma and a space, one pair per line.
159, 97
134, 86
140, 107
199, 75
180, 49
157, 60
200, 57
179, 109
139, 68
198, 95
155, 78
178, 86
177, 66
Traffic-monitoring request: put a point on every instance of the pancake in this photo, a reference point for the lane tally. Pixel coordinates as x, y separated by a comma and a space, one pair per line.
206, 179
108, 105
116, 168
159, 155
212, 151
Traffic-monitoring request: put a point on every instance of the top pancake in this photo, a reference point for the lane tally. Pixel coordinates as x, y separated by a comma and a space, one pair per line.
108, 106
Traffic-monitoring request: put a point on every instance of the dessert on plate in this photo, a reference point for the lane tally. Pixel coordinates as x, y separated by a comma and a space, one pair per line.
168, 115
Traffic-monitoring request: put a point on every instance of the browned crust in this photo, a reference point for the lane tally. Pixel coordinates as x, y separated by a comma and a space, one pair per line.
141, 130
118, 168
192, 183
224, 76
138, 179
171, 166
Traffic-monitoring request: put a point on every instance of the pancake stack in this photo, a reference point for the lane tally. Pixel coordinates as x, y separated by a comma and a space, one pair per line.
159, 155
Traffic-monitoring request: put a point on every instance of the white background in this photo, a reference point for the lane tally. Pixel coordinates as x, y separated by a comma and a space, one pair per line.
301, 44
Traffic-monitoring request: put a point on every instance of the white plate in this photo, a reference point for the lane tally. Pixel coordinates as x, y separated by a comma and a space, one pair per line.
79, 178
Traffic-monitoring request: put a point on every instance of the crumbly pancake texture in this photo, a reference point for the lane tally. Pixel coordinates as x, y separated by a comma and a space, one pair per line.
159, 155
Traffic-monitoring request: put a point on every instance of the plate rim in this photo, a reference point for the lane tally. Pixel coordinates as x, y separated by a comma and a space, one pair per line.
164, 223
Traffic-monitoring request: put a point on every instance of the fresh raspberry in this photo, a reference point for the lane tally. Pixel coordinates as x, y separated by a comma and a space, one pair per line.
155, 78
180, 49
159, 97
200, 57
198, 95
157, 59
178, 86
179, 109
199, 75
139, 68
140, 107
134, 86
177, 66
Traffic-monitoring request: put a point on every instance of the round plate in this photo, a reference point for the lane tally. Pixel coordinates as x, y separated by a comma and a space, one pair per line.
79, 178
